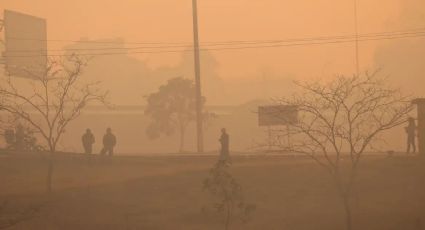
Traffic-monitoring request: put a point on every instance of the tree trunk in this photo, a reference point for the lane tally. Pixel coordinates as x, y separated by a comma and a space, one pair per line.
50, 172
52, 148
182, 133
345, 197
228, 217
347, 209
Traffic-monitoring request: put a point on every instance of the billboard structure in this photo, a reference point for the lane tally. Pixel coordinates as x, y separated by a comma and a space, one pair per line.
25, 52
277, 115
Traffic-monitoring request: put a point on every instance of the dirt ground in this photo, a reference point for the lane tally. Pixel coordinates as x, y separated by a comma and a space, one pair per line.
165, 192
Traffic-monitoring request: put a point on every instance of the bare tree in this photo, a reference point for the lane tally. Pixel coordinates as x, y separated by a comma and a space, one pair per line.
48, 103
343, 119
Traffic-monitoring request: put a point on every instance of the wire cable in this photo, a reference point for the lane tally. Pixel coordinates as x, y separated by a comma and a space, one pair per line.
226, 44
171, 44
307, 43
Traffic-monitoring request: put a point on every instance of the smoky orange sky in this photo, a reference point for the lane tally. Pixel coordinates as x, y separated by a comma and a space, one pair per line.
228, 20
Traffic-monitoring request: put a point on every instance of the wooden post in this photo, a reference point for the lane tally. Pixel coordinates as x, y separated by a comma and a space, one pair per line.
270, 138
199, 118
420, 102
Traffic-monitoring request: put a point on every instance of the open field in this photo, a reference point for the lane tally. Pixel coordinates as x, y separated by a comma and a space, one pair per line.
165, 192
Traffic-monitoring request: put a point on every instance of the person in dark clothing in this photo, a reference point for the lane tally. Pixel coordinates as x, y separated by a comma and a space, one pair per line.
88, 141
109, 142
411, 135
224, 141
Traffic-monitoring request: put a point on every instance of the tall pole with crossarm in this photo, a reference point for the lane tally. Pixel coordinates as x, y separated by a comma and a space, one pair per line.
199, 103
356, 28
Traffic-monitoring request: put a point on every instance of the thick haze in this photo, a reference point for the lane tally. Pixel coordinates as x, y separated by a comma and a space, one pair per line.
239, 75
403, 59
128, 153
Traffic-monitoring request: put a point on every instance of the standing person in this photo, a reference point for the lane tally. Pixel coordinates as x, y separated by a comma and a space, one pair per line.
411, 134
88, 141
109, 142
224, 141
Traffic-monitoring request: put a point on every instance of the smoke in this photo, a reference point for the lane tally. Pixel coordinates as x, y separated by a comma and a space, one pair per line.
129, 79
403, 59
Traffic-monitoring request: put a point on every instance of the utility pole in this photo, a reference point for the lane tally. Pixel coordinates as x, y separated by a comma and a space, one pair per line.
199, 116
356, 27
1, 29
2, 60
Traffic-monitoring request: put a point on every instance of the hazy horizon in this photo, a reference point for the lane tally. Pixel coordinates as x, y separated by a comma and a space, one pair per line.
239, 75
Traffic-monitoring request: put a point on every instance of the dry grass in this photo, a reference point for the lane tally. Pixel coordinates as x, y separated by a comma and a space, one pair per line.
166, 193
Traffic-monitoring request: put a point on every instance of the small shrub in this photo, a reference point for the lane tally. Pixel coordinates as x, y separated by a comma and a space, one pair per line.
227, 194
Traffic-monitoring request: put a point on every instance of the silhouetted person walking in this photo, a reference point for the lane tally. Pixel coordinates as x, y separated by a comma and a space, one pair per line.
224, 141
109, 142
88, 141
411, 135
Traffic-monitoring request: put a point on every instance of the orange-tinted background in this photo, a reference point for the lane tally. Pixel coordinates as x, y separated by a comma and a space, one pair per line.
233, 77
170, 21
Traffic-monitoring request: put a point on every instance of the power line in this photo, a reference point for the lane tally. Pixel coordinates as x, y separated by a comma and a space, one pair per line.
370, 35
212, 43
388, 37
225, 48
92, 42
328, 37
319, 43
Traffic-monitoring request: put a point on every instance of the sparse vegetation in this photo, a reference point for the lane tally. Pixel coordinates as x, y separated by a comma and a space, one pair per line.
218, 115
21, 139
9, 219
339, 121
54, 99
227, 194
